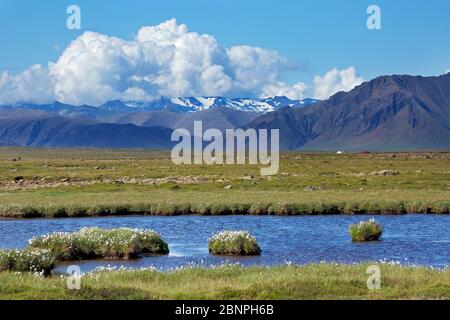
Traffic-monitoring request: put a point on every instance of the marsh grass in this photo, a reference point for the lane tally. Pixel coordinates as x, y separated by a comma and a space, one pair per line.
307, 184
93, 243
322, 281
366, 231
29, 260
233, 243
190, 204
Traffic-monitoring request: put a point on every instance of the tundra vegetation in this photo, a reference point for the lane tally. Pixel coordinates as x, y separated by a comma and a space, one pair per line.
40, 261
319, 281
89, 243
366, 231
78, 183
94, 243
37, 183
233, 243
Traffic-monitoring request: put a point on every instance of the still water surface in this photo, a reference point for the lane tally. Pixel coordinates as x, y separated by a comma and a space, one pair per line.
407, 239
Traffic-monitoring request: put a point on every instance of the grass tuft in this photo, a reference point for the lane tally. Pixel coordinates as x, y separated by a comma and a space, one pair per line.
366, 231
28, 260
236, 243
93, 243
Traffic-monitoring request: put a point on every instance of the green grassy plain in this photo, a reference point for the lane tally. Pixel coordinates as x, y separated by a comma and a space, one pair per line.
60, 183
323, 281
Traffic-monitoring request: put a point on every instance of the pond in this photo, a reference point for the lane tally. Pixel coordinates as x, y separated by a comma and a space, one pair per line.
407, 239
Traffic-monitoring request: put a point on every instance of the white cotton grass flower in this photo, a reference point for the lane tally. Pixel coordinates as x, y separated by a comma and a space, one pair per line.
226, 236
40, 261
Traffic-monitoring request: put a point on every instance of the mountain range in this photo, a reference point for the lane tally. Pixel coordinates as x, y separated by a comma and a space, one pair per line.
111, 109
397, 112
41, 129
387, 113
195, 104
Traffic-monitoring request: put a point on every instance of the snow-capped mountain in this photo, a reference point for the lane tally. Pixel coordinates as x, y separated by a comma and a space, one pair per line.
112, 109
194, 104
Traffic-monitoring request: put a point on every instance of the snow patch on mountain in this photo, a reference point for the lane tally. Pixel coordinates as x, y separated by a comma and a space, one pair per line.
181, 105
195, 104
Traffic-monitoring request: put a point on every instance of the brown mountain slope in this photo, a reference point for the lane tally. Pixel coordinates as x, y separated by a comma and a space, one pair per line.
387, 113
220, 118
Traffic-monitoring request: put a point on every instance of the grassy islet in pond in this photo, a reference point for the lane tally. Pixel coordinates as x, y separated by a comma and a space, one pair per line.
238, 243
366, 231
92, 243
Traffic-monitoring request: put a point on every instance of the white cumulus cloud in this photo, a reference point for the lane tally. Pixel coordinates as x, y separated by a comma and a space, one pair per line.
253, 68
34, 84
334, 81
296, 91
162, 60
324, 86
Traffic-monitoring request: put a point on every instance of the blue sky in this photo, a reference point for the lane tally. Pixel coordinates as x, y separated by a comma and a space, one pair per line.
319, 35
